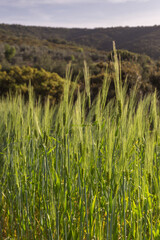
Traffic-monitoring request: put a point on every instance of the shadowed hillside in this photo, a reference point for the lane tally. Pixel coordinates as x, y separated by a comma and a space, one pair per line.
40, 55
136, 39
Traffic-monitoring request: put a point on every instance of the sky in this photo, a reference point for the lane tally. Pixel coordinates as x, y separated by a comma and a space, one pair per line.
80, 13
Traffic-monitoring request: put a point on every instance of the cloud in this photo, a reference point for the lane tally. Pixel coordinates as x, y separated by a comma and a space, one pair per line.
24, 3
80, 13
125, 1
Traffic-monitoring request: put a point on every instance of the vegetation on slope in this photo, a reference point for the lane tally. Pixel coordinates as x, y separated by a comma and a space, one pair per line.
45, 84
143, 40
138, 70
51, 49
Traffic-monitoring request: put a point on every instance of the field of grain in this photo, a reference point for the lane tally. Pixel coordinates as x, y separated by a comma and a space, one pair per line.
80, 170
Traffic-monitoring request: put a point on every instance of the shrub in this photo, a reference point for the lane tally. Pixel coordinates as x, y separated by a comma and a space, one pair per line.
9, 52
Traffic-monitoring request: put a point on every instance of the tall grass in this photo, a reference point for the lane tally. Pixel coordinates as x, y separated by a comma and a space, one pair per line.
67, 173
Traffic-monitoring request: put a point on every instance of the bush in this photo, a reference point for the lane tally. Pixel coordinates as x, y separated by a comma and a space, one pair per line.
9, 52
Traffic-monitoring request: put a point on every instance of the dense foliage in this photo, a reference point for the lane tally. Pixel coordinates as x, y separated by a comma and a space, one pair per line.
144, 40
50, 50
45, 84
135, 69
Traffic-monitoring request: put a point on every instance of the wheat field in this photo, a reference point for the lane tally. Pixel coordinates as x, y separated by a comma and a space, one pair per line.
81, 169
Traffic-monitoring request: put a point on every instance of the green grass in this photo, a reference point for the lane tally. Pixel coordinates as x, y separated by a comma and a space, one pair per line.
71, 173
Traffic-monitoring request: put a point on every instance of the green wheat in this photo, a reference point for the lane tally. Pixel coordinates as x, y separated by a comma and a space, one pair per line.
80, 170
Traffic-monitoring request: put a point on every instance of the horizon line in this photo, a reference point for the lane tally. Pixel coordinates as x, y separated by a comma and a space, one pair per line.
89, 28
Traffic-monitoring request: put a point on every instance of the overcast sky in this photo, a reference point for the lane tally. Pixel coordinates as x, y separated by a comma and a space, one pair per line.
81, 13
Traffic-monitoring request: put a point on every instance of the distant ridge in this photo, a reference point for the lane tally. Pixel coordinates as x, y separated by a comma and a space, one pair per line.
143, 40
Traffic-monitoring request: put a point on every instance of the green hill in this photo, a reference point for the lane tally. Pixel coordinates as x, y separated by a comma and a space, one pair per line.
49, 50
143, 40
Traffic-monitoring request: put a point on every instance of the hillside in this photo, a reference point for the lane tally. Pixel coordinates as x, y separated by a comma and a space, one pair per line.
143, 40
36, 54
